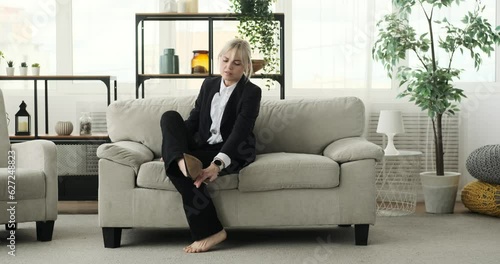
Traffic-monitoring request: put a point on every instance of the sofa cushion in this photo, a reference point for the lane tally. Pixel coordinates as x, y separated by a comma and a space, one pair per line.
275, 171
152, 175
282, 125
307, 125
30, 184
127, 119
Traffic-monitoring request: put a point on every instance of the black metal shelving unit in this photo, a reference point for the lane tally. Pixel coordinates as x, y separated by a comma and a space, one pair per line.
141, 77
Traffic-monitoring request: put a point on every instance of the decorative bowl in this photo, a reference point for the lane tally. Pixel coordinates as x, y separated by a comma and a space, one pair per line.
258, 64
64, 128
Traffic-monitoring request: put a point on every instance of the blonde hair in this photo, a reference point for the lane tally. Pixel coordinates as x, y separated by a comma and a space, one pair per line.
243, 48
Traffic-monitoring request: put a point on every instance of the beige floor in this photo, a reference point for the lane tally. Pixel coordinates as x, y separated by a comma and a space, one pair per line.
90, 207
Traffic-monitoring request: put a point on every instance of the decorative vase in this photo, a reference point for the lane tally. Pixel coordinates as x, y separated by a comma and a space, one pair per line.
192, 6
64, 128
169, 62
199, 63
440, 192
85, 124
35, 71
170, 6
23, 71
10, 71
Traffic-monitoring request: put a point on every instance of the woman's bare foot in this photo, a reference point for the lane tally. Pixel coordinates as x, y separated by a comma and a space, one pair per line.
207, 243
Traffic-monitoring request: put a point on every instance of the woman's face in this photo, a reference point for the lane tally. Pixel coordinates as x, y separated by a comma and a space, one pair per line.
231, 67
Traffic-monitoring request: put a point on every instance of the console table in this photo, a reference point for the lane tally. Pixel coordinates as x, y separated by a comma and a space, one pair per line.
106, 79
73, 187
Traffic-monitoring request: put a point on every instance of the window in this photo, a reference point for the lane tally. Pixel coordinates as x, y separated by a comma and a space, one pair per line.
455, 14
28, 35
104, 36
331, 44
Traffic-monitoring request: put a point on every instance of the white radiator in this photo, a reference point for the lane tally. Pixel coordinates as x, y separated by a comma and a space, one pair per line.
81, 159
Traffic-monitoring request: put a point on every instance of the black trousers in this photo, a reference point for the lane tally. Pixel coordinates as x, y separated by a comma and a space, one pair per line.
198, 206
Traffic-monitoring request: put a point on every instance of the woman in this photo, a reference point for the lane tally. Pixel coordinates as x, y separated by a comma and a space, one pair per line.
217, 136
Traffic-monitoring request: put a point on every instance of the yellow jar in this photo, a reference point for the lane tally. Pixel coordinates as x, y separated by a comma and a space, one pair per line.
199, 63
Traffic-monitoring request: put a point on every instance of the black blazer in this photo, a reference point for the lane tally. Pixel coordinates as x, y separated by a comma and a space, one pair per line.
237, 122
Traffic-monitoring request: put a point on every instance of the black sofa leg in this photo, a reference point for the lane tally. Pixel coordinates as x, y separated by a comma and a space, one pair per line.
361, 234
44, 230
112, 236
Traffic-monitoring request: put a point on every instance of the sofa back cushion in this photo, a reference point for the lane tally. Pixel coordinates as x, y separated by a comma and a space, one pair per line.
307, 125
139, 119
296, 125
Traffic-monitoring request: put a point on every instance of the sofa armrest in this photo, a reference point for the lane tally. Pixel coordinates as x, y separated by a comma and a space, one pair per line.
37, 155
41, 155
127, 153
352, 149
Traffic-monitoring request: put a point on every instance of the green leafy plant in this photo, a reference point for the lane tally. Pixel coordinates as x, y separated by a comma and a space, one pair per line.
24, 64
258, 26
10, 63
35, 65
430, 84
1, 54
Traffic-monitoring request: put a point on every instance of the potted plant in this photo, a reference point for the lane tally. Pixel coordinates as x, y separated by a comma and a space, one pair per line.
23, 69
10, 68
1, 56
258, 27
430, 84
35, 69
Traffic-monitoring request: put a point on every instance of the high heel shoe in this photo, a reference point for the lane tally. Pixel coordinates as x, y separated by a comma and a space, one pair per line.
193, 166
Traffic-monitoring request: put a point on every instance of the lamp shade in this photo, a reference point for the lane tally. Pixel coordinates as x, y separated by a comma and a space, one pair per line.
390, 121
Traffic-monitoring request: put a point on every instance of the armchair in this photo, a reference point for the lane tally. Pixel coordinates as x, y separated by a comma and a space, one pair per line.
33, 195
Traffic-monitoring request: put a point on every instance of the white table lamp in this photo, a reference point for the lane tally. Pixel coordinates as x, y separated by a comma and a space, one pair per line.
390, 123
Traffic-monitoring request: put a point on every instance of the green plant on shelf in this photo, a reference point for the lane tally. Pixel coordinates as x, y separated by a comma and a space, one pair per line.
35, 65
24, 64
10, 64
258, 26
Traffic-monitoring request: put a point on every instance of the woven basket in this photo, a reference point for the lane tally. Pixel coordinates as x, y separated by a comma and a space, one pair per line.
482, 197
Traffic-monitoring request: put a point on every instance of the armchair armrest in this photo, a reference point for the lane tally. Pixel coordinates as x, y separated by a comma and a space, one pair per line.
41, 155
38, 155
127, 153
353, 148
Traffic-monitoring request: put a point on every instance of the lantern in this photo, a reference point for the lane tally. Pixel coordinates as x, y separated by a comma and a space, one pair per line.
23, 121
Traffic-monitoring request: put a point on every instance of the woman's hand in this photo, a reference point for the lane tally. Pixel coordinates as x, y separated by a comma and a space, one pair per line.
209, 174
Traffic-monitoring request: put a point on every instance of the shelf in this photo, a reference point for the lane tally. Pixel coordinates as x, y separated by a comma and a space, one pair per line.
96, 138
59, 77
106, 79
141, 77
194, 16
197, 76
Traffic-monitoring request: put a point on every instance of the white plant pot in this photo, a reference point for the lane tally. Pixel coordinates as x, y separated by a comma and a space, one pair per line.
10, 71
35, 71
23, 71
440, 192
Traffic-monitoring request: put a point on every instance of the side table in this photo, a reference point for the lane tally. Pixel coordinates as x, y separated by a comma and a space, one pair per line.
397, 183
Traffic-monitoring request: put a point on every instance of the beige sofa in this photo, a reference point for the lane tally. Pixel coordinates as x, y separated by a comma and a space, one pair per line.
313, 169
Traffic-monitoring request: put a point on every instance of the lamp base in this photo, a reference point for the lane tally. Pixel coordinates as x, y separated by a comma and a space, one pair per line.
390, 149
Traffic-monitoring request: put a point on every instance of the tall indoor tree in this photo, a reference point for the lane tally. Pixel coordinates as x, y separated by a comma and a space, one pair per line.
430, 84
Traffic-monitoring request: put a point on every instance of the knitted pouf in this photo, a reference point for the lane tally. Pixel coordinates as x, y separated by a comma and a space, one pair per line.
484, 164
482, 197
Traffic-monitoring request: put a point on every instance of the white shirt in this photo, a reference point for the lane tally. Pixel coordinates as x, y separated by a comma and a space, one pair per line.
219, 103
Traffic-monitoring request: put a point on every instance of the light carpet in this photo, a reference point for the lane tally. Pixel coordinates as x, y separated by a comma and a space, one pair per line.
421, 238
